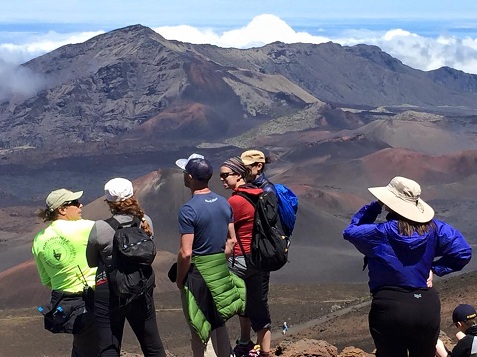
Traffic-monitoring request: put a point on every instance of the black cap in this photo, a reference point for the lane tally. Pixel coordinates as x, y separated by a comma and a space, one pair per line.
463, 312
199, 169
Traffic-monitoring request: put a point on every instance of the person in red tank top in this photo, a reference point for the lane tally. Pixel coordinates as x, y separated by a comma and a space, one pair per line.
257, 313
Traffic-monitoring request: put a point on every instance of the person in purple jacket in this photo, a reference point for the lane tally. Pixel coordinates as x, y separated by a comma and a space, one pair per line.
401, 252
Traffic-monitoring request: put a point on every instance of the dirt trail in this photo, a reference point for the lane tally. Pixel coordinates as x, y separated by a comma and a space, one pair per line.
320, 320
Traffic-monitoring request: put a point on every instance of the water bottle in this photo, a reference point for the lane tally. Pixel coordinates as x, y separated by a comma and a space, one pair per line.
59, 315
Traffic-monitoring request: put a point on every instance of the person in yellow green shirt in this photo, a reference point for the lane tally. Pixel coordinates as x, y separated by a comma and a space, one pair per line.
59, 251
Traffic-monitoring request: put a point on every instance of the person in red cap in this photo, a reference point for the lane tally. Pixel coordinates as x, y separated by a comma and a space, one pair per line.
464, 318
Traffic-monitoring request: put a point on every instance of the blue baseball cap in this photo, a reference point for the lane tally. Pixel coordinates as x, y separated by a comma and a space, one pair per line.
463, 312
199, 169
183, 162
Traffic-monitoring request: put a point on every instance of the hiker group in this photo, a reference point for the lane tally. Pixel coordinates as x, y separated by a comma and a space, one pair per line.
100, 272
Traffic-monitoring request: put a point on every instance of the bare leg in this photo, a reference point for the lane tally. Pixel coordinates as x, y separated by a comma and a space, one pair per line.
264, 339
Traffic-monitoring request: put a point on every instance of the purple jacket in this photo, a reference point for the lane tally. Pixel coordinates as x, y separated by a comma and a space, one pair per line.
405, 261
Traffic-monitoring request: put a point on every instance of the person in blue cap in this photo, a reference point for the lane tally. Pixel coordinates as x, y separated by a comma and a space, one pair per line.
464, 318
207, 237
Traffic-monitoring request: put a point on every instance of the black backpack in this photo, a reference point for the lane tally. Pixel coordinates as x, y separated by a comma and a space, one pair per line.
131, 274
269, 249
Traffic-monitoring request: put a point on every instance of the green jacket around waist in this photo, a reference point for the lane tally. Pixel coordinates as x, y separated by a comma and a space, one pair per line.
213, 293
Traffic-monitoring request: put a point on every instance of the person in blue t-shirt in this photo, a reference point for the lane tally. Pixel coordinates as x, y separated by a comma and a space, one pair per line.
207, 236
404, 319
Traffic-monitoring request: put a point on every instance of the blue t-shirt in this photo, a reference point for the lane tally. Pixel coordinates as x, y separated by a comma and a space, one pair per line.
207, 216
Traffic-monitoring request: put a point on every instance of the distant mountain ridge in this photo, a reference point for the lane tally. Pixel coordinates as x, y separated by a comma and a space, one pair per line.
134, 81
358, 75
115, 82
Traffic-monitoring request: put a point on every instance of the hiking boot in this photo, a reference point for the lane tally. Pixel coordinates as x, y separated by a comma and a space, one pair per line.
242, 350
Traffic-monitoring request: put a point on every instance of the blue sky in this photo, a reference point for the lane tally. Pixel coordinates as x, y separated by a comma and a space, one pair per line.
423, 34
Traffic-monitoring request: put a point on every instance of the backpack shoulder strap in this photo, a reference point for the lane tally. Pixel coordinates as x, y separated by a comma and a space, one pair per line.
240, 244
113, 222
247, 197
135, 222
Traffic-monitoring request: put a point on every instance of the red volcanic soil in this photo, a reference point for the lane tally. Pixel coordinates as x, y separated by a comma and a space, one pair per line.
176, 116
21, 285
420, 167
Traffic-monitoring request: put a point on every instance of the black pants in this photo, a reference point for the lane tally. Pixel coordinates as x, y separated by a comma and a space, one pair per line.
110, 318
405, 321
85, 342
257, 284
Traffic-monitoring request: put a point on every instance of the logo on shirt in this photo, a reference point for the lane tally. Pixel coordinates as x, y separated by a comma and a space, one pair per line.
212, 200
56, 255
418, 296
58, 252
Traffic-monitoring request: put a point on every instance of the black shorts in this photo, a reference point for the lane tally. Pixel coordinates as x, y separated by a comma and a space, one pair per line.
256, 303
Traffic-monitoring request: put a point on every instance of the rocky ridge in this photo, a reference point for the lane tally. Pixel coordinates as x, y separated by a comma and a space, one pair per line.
133, 84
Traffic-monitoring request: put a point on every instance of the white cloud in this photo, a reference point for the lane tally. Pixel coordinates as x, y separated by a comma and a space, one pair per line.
37, 45
425, 53
20, 81
263, 29
185, 33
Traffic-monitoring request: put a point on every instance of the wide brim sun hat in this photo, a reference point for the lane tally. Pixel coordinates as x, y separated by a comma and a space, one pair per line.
402, 195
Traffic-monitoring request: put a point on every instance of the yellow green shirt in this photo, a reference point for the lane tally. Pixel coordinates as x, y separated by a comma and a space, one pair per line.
60, 255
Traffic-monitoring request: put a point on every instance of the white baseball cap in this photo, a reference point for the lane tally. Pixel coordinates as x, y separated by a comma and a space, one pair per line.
118, 189
183, 162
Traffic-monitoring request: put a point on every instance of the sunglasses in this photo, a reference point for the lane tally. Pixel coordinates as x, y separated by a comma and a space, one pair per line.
224, 175
72, 203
